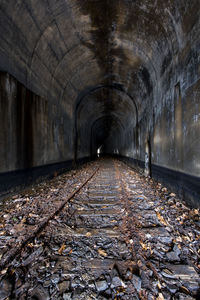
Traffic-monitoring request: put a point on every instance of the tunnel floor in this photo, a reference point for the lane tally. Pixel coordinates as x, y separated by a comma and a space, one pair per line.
103, 231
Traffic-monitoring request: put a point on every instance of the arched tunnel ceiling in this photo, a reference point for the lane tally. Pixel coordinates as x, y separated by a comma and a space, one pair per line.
105, 100
59, 49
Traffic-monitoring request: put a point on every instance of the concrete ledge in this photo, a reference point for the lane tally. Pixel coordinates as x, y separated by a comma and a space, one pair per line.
186, 186
16, 180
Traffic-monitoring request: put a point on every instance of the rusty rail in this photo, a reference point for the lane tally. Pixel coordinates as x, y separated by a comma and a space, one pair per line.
16, 251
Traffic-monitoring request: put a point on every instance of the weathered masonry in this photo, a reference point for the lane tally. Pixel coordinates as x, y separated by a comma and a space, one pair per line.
109, 76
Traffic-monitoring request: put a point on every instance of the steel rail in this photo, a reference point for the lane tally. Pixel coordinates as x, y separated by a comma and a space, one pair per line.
5, 263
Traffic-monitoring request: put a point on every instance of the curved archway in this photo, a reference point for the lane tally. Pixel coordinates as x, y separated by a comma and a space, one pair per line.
107, 106
100, 131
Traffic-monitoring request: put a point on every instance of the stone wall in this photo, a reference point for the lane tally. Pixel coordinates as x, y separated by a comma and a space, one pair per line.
33, 131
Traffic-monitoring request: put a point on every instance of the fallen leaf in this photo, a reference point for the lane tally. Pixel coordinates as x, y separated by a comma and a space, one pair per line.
3, 233
12, 271
185, 290
62, 248
4, 271
23, 220
144, 247
167, 271
159, 285
88, 234
160, 297
102, 252
161, 219
179, 239
186, 238
172, 195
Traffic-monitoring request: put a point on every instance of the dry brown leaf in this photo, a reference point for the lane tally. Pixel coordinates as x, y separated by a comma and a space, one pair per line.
4, 271
3, 233
88, 234
160, 297
167, 271
159, 285
12, 271
185, 290
62, 248
144, 247
23, 220
102, 252
161, 219
186, 238
179, 239
172, 195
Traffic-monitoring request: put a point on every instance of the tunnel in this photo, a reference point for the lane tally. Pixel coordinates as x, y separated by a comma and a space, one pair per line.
117, 77
99, 149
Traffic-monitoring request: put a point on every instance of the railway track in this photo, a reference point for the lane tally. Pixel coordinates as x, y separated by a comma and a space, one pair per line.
110, 235
27, 239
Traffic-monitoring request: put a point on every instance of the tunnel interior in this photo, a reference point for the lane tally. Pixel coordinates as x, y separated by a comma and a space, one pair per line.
110, 114
121, 76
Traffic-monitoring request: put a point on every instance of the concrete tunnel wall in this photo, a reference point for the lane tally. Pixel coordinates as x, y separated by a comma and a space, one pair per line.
124, 74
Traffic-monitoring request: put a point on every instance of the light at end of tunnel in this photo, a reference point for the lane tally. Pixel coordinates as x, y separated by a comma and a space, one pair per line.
99, 151
116, 151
